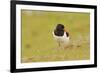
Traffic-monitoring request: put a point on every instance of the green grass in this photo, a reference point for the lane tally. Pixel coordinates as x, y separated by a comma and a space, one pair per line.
38, 44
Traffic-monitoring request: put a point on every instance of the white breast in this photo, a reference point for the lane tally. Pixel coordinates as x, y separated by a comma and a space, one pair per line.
63, 39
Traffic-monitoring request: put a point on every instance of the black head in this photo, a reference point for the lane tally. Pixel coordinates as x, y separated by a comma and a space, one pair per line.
60, 27
59, 31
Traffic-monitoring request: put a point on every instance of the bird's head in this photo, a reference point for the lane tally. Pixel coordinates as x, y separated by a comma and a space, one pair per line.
60, 27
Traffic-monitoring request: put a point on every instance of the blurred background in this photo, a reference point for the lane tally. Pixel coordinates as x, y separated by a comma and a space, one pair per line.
38, 43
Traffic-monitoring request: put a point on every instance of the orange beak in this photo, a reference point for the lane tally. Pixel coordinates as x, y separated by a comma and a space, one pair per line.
65, 29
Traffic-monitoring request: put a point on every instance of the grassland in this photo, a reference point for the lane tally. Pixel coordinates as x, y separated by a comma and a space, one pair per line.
38, 44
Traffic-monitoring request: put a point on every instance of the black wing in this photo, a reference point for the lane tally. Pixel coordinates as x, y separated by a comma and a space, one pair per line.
67, 34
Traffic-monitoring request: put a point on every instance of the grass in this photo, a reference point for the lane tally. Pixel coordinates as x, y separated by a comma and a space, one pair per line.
38, 44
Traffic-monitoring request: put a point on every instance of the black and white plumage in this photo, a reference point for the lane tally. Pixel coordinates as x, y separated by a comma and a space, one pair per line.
61, 36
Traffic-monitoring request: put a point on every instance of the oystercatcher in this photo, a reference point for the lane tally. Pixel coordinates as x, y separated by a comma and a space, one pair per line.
61, 36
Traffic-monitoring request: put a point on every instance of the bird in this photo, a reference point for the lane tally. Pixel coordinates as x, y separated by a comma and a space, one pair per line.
61, 35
